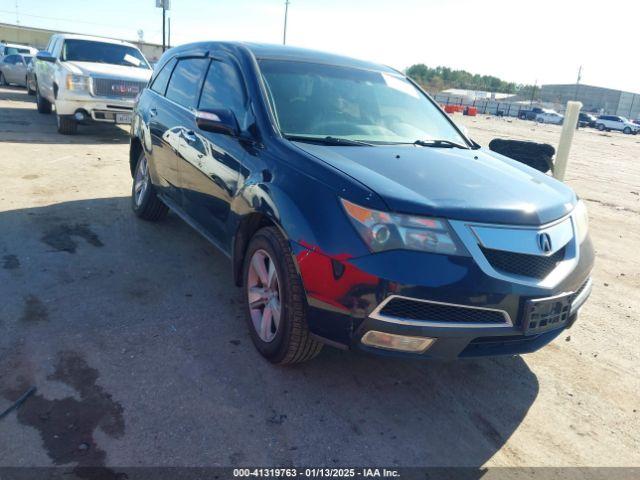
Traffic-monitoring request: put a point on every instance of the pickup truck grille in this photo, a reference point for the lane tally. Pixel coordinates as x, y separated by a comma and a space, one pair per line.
106, 87
533, 266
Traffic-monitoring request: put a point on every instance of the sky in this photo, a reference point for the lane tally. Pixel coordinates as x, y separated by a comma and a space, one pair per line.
543, 40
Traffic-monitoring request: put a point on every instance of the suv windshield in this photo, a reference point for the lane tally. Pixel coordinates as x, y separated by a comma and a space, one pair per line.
102, 52
318, 100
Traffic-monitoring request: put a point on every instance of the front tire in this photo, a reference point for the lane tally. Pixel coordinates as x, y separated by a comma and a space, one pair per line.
67, 125
144, 199
44, 105
627, 130
30, 91
274, 296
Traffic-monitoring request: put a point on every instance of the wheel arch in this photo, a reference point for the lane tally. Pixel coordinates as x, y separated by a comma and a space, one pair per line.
135, 148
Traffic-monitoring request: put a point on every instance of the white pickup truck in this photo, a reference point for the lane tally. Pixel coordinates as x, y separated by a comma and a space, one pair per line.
89, 79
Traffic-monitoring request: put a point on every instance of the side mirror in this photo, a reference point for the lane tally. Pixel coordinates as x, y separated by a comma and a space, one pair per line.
45, 57
218, 121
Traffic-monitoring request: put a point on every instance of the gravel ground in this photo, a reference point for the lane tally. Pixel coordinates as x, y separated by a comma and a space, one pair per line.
135, 337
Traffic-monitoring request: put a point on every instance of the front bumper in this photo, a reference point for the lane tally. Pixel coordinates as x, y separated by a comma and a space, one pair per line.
345, 298
105, 110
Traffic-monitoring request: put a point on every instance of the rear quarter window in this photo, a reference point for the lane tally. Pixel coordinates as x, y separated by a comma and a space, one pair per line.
161, 81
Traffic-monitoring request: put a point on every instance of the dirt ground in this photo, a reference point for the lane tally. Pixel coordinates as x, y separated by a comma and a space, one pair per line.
134, 336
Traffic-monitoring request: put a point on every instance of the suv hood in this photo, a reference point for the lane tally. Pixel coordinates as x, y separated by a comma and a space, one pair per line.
105, 70
470, 185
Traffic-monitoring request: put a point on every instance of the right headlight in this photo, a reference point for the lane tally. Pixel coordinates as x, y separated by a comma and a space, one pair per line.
78, 82
581, 219
392, 231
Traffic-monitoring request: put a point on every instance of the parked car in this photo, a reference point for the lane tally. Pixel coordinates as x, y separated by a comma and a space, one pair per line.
550, 116
16, 49
530, 114
353, 209
31, 77
616, 122
13, 69
89, 79
586, 120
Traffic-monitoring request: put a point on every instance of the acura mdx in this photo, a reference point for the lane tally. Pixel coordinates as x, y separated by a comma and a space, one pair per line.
353, 209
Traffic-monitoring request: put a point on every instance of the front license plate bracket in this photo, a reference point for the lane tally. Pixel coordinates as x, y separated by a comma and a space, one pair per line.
546, 314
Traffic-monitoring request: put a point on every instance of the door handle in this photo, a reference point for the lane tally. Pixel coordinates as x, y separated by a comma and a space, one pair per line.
153, 112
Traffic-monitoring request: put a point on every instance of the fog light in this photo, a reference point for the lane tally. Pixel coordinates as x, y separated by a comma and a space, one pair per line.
79, 116
403, 343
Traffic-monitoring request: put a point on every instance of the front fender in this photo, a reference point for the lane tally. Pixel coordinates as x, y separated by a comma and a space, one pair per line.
307, 212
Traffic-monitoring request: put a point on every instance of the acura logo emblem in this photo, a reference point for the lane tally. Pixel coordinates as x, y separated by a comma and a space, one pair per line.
544, 242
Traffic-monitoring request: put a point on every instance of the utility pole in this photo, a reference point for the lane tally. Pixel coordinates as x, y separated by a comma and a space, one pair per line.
164, 24
575, 97
169, 32
286, 14
17, 14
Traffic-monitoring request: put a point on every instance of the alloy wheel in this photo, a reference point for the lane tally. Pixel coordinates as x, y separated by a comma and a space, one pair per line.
141, 181
263, 290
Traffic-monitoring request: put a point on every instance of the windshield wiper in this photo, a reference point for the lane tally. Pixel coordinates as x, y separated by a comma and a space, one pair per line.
439, 144
328, 140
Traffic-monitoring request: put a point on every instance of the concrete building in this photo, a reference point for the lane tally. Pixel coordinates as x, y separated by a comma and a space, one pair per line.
594, 99
39, 38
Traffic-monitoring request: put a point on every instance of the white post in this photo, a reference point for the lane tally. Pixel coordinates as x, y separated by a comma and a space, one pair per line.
566, 138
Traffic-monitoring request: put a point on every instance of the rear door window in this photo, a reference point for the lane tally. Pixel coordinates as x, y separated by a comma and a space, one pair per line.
184, 86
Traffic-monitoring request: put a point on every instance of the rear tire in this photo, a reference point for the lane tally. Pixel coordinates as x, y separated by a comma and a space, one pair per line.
44, 105
291, 342
67, 125
3, 82
144, 199
600, 127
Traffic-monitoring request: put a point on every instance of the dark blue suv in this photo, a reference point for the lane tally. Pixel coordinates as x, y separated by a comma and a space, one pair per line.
354, 211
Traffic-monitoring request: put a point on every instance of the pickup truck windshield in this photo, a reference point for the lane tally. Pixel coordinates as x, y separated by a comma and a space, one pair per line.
102, 52
318, 100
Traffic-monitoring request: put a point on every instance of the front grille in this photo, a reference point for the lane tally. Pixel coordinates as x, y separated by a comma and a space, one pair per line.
534, 266
408, 309
107, 87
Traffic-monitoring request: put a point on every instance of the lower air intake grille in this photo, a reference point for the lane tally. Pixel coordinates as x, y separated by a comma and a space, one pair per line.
533, 266
408, 309
578, 292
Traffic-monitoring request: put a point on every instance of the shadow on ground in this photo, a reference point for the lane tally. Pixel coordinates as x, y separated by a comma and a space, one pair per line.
136, 339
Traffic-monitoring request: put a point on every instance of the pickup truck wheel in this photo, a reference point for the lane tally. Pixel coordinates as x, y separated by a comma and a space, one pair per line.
144, 199
600, 127
276, 308
67, 125
44, 105
627, 130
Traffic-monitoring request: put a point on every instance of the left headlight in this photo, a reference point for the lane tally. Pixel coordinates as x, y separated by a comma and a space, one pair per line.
581, 219
78, 82
391, 231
